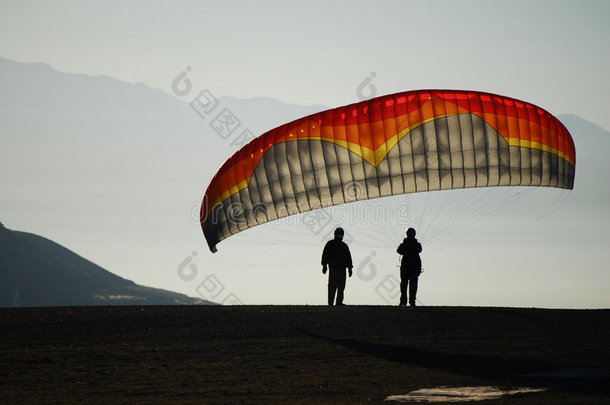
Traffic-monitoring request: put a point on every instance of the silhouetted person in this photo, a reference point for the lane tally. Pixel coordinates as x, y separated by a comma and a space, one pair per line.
410, 267
337, 257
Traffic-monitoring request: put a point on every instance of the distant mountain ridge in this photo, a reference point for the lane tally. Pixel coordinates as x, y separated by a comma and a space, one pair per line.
35, 271
116, 171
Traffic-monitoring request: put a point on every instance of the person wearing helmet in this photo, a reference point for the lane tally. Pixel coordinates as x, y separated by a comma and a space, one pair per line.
336, 257
410, 267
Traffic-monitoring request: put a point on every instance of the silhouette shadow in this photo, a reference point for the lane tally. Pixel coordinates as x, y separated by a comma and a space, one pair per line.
507, 312
495, 368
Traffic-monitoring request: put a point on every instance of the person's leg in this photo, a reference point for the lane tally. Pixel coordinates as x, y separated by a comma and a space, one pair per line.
412, 290
331, 291
339, 296
404, 282
340, 283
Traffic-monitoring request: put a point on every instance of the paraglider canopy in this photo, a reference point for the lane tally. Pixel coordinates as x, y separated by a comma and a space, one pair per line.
407, 142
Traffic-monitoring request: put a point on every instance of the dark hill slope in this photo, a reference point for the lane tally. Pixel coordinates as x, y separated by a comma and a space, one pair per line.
35, 271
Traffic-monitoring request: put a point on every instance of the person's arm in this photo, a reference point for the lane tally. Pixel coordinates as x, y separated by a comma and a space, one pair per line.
349, 257
349, 260
401, 249
419, 248
325, 254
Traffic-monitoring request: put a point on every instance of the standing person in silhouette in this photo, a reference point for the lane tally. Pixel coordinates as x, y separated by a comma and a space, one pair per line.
410, 267
337, 257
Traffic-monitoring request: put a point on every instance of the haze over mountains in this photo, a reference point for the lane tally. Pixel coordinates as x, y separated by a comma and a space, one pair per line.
116, 172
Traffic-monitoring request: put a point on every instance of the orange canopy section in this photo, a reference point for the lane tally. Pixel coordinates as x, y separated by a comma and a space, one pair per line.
371, 129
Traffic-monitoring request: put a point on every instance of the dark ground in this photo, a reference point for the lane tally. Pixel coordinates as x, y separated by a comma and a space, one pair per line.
290, 354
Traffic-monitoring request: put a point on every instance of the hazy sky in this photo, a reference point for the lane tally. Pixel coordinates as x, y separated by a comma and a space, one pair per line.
552, 53
555, 54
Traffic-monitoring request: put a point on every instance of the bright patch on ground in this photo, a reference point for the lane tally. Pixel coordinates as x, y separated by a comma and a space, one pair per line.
459, 394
